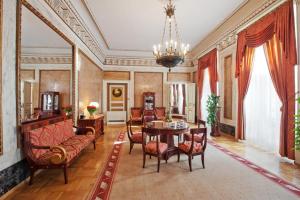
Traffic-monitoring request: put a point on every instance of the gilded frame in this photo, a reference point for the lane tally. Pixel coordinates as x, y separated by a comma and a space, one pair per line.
21, 3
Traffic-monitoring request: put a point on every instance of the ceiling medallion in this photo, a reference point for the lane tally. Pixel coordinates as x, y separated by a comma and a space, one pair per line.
171, 51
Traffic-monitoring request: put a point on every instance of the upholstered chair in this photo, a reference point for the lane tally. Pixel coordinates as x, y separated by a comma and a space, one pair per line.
136, 115
198, 137
193, 148
135, 137
153, 147
160, 113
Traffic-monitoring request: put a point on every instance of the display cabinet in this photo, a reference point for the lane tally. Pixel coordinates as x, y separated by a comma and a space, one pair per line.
149, 100
50, 102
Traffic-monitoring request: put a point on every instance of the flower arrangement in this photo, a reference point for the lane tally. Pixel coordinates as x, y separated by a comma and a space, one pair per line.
68, 110
91, 110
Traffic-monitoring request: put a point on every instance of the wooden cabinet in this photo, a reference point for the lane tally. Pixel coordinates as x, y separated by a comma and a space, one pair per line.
50, 102
149, 100
96, 123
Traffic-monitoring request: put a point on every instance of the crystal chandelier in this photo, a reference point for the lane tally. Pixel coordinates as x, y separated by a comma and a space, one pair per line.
170, 52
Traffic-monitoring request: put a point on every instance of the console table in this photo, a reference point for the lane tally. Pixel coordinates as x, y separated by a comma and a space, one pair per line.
96, 122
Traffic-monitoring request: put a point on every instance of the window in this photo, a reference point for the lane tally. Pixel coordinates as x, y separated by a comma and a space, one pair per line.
262, 107
205, 93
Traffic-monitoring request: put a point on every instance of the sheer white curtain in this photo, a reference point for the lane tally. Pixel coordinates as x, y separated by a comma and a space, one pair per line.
205, 93
262, 107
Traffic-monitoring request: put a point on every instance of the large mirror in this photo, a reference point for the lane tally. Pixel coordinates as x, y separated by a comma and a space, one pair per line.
45, 69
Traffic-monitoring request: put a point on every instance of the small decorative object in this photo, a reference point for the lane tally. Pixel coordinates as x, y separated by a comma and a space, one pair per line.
68, 110
169, 116
117, 92
81, 116
212, 109
91, 110
297, 127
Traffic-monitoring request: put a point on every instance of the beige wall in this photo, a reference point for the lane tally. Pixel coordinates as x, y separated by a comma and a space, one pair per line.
110, 75
90, 78
57, 81
148, 82
179, 77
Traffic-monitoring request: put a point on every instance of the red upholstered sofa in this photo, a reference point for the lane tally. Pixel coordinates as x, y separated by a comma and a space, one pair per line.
55, 145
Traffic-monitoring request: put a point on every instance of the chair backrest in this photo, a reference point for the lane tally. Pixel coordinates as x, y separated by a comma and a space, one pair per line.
136, 112
160, 111
129, 129
199, 131
202, 123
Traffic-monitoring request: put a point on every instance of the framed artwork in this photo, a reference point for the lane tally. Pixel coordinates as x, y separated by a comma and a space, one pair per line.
117, 97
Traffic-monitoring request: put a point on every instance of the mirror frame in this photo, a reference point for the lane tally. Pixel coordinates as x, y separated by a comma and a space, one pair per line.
21, 3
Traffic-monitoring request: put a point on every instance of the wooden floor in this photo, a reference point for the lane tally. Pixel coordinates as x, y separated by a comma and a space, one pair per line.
49, 184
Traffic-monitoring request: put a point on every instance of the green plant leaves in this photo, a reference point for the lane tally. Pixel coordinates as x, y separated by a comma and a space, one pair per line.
297, 127
212, 105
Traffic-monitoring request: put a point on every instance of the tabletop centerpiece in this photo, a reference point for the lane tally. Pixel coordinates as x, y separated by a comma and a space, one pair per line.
91, 110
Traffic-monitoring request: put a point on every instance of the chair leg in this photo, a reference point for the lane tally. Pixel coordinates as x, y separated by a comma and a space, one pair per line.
65, 174
178, 156
94, 142
190, 162
202, 159
158, 163
131, 146
32, 171
144, 160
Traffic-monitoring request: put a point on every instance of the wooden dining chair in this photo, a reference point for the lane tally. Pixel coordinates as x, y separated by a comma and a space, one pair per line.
198, 137
153, 147
135, 137
193, 148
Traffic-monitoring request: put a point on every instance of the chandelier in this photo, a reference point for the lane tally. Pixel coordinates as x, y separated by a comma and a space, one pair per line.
171, 51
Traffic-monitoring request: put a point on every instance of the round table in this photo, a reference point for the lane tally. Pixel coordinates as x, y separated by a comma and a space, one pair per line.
167, 134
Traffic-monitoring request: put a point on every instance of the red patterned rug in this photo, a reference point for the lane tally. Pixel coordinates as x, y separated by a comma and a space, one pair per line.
102, 188
104, 183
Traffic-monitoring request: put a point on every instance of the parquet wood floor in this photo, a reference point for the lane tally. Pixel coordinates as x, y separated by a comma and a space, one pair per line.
49, 184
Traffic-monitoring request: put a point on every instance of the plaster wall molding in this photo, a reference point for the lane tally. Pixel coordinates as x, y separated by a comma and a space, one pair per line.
32, 59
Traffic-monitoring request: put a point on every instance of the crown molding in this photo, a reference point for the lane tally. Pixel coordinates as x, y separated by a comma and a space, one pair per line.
65, 10
40, 59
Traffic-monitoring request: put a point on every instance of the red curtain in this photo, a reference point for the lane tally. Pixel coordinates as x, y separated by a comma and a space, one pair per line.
207, 61
280, 23
281, 76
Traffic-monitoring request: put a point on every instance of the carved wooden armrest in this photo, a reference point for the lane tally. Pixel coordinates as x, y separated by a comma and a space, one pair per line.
92, 130
59, 155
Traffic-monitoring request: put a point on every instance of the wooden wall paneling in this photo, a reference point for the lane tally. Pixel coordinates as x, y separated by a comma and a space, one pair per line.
110, 75
148, 82
228, 83
27, 74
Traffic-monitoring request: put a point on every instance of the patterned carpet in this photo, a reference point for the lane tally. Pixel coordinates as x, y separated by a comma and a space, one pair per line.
227, 176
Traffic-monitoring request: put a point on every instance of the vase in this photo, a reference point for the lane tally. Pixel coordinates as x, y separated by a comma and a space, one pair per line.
92, 115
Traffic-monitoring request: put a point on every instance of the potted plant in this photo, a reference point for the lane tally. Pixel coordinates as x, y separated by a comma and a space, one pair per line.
91, 110
297, 134
212, 109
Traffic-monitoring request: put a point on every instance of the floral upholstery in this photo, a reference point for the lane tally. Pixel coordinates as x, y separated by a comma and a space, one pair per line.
197, 137
137, 137
186, 146
160, 113
150, 147
58, 134
136, 114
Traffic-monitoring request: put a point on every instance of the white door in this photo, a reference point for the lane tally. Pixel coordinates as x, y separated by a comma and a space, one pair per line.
191, 102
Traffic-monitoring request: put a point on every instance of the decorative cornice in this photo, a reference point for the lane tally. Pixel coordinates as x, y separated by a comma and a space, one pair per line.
140, 62
46, 59
63, 9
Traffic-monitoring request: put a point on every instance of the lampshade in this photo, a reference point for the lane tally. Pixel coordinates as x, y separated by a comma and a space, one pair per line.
96, 104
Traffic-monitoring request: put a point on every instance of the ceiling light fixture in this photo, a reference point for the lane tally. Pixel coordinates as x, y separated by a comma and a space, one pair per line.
170, 52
